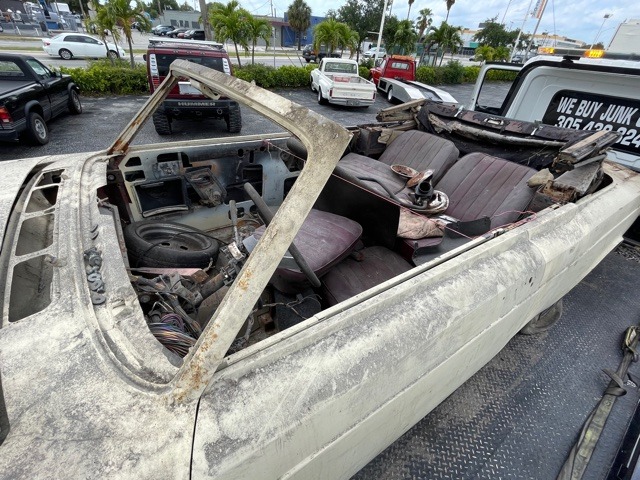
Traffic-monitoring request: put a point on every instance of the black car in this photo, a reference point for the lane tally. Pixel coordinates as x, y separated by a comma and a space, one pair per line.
194, 35
311, 55
30, 96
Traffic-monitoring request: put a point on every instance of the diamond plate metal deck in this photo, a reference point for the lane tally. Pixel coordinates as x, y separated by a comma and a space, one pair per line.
519, 416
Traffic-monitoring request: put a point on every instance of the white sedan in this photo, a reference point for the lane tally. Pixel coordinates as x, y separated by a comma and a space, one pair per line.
69, 45
381, 52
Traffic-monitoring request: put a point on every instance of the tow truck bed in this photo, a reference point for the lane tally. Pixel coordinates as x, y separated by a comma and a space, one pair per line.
520, 415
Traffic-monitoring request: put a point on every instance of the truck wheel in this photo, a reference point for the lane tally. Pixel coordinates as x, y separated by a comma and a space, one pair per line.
75, 107
234, 120
321, 99
162, 123
37, 129
390, 95
65, 54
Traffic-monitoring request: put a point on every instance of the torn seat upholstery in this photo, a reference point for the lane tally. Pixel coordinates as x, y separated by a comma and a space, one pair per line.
323, 240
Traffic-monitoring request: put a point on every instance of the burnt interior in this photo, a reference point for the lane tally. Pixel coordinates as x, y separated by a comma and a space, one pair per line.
190, 218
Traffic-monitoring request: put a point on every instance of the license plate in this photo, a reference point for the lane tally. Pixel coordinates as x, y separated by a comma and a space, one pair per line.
187, 89
353, 103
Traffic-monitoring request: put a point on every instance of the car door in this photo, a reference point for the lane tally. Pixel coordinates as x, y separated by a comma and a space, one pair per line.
75, 44
55, 86
94, 48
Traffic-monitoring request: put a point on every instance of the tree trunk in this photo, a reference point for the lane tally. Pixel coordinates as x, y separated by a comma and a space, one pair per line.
205, 19
253, 49
235, 45
299, 39
133, 63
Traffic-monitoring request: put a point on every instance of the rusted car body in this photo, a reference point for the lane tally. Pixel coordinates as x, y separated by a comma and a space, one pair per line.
94, 387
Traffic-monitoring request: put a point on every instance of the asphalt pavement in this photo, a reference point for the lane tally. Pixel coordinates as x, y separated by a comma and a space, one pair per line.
103, 118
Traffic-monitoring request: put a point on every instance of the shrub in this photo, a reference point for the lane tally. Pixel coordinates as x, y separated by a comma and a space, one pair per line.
259, 73
453, 72
429, 75
101, 77
364, 72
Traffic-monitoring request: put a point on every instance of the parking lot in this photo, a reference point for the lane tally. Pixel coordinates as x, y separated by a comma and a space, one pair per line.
104, 117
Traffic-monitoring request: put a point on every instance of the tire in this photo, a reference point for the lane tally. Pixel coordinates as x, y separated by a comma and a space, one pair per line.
390, 96
162, 123
308, 60
544, 320
168, 244
113, 55
65, 54
321, 99
234, 120
37, 129
75, 107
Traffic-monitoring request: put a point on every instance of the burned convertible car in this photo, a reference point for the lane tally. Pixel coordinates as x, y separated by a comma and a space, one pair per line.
281, 306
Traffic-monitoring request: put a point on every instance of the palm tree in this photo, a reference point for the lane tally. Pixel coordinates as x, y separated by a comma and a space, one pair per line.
257, 28
451, 39
404, 38
122, 14
103, 23
230, 22
424, 21
449, 5
350, 39
332, 34
299, 14
409, 11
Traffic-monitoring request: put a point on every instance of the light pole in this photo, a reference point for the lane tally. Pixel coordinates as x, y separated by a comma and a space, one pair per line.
604, 19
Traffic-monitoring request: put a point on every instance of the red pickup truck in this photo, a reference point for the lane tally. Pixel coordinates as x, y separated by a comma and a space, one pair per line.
396, 77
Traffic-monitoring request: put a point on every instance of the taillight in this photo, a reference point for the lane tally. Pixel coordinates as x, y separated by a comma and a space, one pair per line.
5, 116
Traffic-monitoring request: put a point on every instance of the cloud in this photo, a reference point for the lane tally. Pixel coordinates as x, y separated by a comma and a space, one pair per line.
578, 19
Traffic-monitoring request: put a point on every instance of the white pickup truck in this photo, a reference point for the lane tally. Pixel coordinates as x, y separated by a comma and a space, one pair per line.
337, 81
571, 91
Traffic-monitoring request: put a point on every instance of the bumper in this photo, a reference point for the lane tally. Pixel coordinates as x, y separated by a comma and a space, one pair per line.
198, 108
351, 102
9, 135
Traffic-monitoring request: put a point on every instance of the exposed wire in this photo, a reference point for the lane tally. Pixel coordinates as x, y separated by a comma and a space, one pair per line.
290, 305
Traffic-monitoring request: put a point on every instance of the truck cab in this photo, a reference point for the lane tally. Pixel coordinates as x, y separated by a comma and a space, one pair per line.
572, 89
396, 66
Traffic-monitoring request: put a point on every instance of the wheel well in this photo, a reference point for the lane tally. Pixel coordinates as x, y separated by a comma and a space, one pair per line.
33, 107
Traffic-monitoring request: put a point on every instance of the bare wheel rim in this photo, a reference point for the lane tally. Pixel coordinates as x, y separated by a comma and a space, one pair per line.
40, 128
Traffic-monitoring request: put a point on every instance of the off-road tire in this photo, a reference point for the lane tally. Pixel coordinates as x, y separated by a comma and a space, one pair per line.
234, 120
321, 99
65, 54
37, 130
168, 244
74, 105
162, 123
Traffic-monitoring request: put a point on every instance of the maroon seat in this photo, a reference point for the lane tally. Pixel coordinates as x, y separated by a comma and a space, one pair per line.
418, 150
323, 240
350, 277
479, 185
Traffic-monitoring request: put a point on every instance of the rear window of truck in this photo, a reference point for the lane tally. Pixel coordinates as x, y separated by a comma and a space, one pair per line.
590, 111
164, 60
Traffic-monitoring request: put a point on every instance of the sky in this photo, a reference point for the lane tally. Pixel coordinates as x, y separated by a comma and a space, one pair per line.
576, 19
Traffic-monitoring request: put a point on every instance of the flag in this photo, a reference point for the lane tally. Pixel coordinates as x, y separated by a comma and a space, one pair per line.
539, 9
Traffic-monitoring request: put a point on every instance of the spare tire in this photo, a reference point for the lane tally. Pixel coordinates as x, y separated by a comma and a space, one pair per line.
168, 244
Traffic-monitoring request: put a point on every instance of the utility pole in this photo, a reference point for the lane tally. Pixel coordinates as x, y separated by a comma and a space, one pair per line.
384, 14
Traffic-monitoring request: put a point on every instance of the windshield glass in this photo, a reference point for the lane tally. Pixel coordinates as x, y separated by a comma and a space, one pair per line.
164, 60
